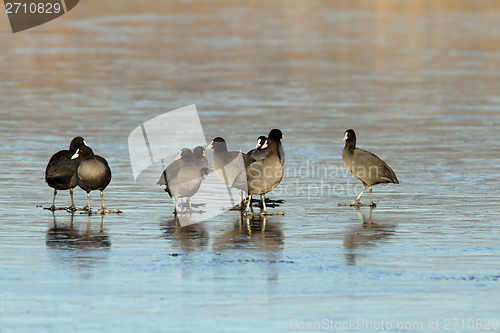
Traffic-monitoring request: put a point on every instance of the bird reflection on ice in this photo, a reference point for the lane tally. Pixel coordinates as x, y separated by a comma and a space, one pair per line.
365, 235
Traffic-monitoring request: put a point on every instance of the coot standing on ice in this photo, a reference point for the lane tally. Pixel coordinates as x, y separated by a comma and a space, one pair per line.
262, 176
93, 173
60, 173
182, 177
365, 166
226, 164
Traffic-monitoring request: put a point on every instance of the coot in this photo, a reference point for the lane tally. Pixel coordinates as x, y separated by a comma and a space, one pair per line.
93, 173
365, 166
182, 177
228, 164
60, 173
260, 177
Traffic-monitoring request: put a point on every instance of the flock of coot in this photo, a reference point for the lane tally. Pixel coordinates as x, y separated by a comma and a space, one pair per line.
255, 173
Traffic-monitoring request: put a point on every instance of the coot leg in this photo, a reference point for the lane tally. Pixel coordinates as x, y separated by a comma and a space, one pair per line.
248, 203
72, 207
356, 202
263, 201
53, 207
372, 204
103, 209
88, 205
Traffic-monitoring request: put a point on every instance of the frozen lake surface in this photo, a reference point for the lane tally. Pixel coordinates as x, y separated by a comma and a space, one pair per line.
418, 81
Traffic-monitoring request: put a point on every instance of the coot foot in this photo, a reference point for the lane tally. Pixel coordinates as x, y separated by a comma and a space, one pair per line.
185, 205
86, 208
271, 201
235, 208
262, 213
104, 210
271, 204
357, 204
54, 208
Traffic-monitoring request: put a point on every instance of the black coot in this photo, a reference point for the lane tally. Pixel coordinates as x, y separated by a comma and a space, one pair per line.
258, 153
93, 173
278, 135
260, 177
225, 164
182, 177
60, 173
365, 166
200, 159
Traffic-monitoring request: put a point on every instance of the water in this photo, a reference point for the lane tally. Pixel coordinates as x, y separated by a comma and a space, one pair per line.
417, 81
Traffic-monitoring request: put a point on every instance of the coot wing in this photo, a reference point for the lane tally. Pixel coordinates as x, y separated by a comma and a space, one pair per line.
371, 169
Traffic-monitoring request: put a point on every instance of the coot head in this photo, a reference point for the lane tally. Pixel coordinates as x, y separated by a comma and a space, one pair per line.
76, 143
218, 144
349, 135
271, 145
260, 142
277, 134
199, 152
185, 154
84, 153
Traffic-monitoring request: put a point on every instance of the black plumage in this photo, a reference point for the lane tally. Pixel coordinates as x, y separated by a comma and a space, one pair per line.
200, 159
93, 173
260, 177
365, 166
225, 164
182, 177
60, 173
277, 135
228, 164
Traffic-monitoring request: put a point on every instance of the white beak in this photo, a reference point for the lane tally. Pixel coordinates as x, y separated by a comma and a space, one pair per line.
345, 136
210, 146
75, 155
179, 156
258, 144
205, 155
264, 145
85, 143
